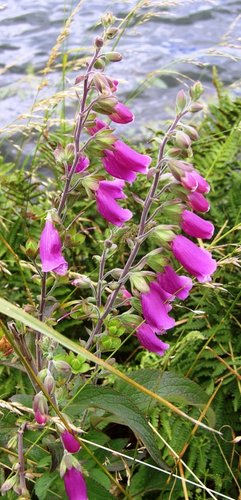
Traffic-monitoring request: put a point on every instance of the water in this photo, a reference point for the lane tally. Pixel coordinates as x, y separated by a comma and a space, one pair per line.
189, 30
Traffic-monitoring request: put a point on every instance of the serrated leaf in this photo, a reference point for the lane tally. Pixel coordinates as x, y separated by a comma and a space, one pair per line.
122, 407
43, 484
170, 385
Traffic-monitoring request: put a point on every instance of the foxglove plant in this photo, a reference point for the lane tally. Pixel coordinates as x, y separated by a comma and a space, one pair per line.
87, 164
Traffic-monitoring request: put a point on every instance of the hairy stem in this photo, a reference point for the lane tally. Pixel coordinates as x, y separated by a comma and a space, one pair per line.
144, 216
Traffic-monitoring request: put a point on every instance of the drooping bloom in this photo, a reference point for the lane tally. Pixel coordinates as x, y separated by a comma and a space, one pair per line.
50, 249
121, 114
195, 182
150, 341
70, 443
121, 161
198, 202
175, 285
155, 308
75, 485
106, 194
195, 226
82, 164
197, 261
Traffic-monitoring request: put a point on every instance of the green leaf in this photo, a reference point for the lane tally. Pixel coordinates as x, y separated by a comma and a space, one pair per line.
96, 491
170, 385
43, 484
122, 407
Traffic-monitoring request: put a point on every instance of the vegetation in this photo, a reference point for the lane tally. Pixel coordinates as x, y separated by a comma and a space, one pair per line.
149, 421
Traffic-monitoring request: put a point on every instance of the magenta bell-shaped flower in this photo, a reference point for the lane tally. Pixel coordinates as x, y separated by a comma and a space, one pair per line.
82, 165
195, 226
124, 162
106, 194
121, 161
175, 285
195, 182
70, 443
150, 341
197, 261
198, 202
121, 114
155, 307
50, 249
75, 485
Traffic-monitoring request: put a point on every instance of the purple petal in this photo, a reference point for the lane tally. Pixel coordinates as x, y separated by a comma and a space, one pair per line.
195, 226
150, 341
116, 169
197, 261
106, 194
50, 249
171, 282
198, 202
75, 485
128, 156
70, 443
155, 309
121, 114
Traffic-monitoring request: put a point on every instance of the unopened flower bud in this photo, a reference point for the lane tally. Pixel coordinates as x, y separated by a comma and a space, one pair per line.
99, 63
59, 154
40, 408
31, 248
192, 132
99, 42
61, 366
81, 281
181, 101
49, 383
182, 140
13, 441
9, 483
70, 443
108, 19
138, 282
195, 107
111, 32
196, 91
113, 56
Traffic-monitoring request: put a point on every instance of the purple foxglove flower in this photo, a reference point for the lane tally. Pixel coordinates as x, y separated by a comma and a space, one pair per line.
198, 202
175, 285
150, 341
195, 226
121, 114
82, 164
106, 194
50, 249
195, 182
75, 485
155, 308
197, 261
123, 162
70, 443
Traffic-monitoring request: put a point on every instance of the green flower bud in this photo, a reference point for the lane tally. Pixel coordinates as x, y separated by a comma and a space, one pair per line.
182, 140
109, 343
9, 483
196, 91
31, 248
181, 101
61, 366
113, 56
138, 282
195, 107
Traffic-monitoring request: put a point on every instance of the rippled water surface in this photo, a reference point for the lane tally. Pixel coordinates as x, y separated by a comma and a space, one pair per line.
169, 40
